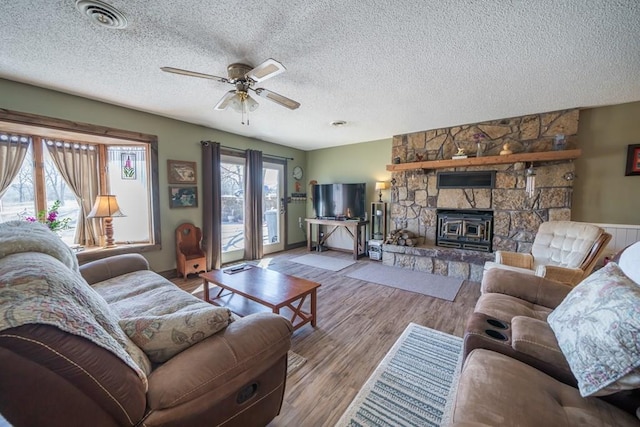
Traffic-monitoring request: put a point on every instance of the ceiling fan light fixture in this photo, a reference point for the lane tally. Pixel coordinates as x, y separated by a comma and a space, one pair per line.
242, 102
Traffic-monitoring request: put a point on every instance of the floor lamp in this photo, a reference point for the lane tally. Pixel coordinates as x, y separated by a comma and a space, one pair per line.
106, 207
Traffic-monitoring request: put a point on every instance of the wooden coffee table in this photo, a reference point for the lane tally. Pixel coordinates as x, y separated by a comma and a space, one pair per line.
251, 290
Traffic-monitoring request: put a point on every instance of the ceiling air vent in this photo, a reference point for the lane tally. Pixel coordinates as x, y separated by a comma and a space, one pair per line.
102, 14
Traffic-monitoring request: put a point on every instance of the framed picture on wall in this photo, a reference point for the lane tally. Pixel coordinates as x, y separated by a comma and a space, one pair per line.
633, 160
183, 197
181, 172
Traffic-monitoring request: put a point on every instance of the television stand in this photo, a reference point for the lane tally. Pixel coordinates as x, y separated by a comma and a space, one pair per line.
355, 228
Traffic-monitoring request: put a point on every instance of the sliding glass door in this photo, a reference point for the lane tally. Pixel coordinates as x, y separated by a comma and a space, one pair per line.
232, 183
273, 207
233, 202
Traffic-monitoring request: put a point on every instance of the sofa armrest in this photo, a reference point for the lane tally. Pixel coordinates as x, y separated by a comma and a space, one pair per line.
515, 259
568, 276
221, 364
106, 268
535, 289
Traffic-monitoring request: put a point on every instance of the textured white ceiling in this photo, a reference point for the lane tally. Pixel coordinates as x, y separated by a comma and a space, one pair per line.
386, 67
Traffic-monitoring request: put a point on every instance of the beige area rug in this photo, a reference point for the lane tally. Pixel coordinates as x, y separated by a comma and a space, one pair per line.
443, 287
294, 362
322, 261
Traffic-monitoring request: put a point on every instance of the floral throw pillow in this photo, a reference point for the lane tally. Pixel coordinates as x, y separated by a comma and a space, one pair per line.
598, 330
163, 336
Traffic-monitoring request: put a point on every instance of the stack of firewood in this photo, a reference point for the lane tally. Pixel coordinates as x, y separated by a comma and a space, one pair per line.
401, 238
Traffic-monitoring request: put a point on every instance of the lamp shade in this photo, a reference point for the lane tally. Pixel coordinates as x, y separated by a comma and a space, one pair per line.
243, 102
382, 185
106, 206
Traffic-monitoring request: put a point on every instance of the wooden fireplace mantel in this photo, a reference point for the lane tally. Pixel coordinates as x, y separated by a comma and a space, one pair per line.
542, 156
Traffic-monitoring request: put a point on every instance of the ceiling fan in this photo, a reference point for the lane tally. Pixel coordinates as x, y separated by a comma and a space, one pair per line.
244, 77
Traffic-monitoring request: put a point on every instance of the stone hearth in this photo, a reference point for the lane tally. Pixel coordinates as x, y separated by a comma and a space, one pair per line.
415, 196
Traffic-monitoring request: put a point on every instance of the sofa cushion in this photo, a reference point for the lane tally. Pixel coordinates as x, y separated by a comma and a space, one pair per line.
158, 316
496, 390
597, 327
535, 338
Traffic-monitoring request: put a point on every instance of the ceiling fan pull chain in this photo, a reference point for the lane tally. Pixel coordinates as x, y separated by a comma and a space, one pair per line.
244, 109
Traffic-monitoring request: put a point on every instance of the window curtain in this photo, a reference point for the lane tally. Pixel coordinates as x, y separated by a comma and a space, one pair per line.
253, 205
211, 204
78, 165
13, 149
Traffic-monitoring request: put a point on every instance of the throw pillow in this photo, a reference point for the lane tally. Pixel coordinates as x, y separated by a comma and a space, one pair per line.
598, 329
162, 337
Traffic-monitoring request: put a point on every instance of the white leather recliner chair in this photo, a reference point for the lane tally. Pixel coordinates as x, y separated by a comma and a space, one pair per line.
563, 251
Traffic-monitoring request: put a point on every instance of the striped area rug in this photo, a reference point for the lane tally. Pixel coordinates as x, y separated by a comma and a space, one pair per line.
413, 385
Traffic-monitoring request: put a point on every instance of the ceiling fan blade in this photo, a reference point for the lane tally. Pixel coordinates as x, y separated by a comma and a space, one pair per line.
278, 99
193, 74
266, 70
225, 101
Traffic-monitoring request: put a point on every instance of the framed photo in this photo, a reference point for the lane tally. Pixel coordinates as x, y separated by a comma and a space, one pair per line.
633, 160
181, 172
183, 197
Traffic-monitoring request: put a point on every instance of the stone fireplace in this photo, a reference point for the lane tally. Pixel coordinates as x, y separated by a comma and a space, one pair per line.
419, 198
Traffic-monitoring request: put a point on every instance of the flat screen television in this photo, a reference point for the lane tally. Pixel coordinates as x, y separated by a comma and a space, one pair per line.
339, 201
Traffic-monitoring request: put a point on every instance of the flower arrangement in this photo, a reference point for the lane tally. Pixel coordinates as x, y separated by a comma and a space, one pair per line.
478, 137
49, 217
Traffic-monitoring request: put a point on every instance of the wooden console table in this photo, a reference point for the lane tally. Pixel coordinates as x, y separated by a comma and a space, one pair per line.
356, 228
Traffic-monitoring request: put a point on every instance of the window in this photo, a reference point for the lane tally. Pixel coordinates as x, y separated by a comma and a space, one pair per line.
128, 179
51, 160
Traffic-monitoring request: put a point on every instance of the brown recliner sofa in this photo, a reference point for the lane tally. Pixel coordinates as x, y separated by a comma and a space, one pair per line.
235, 377
515, 372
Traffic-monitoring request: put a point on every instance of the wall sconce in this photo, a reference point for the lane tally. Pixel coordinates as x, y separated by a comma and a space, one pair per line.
106, 207
381, 185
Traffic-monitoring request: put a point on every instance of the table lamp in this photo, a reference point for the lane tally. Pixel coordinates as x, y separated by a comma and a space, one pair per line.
381, 185
106, 207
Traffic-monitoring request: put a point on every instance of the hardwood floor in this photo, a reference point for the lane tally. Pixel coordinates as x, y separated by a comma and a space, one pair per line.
358, 322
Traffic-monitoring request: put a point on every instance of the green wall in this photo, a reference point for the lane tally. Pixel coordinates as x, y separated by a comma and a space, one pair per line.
176, 140
602, 193
364, 162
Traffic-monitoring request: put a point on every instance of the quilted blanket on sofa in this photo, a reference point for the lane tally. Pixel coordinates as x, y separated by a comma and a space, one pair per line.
40, 283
